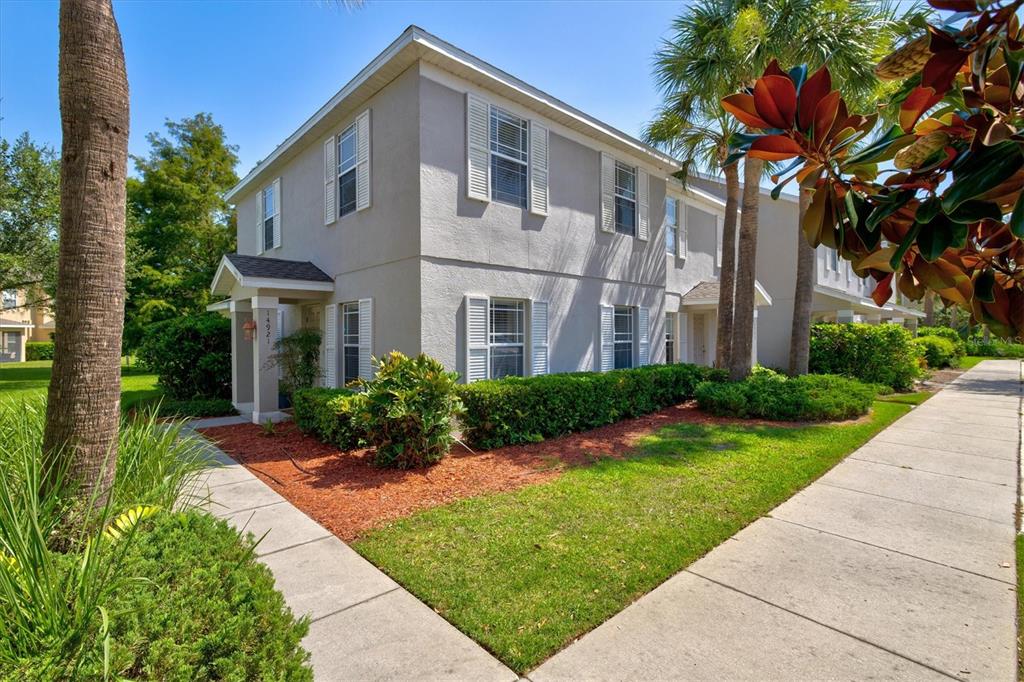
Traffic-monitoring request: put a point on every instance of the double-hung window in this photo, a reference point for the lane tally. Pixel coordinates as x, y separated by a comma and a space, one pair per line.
670, 338
10, 299
625, 199
347, 171
269, 201
623, 337
509, 157
671, 224
350, 342
507, 338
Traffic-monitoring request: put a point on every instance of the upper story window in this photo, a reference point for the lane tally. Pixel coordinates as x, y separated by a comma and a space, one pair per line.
671, 224
625, 199
269, 211
347, 171
507, 338
509, 157
623, 337
10, 299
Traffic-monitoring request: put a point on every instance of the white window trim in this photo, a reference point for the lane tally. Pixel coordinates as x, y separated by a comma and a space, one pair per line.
632, 340
275, 189
634, 199
493, 111
340, 137
521, 305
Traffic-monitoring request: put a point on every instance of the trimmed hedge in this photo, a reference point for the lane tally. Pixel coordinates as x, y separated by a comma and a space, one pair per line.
327, 414
995, 349
213, 407
938, 351
518, 410
948, 333
190, 355
872, 353
811, 397
201, 608
39, 350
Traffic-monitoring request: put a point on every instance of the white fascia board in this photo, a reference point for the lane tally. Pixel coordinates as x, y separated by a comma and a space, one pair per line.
426, 40
224, 267
762, 293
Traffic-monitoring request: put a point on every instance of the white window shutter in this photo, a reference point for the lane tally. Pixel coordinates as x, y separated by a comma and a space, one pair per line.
330, 180
277, 213
478, 156
477, 337
538, 169
365, 338
681, 230
607, 338
607, 193
643, 195
682, 338
363, 161
259, 222
330, 345
538, 338
643, 347
280, 335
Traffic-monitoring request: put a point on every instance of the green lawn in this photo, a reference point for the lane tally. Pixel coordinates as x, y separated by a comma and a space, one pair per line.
525, 572
20, 380
915, 398
971, 360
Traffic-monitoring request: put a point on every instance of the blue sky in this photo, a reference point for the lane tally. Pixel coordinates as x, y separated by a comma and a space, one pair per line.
262, 67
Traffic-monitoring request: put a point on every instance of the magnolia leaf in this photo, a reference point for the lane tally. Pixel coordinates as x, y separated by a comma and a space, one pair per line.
1016, 223
904, 246
883, 291
928, 209
973, 211
877, 260
889, 205
813, 89
774, 148
775, 101
983, 170
741, 105
938, 235
815, 216
983, 285
890, 142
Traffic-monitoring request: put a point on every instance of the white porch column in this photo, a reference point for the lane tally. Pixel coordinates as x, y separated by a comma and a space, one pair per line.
264, 373
911, 324
241, 357
844, 316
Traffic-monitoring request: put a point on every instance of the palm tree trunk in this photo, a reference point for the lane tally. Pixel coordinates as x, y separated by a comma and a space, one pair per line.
929, 308
803, 296
743, 313
85, 390
727, 276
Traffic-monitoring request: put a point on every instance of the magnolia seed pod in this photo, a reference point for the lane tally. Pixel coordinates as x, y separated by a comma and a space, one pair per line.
922, 148
906, 61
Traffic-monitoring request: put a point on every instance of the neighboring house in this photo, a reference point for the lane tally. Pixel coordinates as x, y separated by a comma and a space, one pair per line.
437, 204
20, 322
839, 294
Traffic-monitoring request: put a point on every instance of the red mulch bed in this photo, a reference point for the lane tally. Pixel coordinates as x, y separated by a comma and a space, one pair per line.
347, 494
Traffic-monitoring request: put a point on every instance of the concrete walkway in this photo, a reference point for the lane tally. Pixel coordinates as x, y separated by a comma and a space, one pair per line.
364, 625
897, 564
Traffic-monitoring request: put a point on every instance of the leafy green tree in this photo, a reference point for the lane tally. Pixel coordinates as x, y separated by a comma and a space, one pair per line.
720, 46
179, 224
29, 217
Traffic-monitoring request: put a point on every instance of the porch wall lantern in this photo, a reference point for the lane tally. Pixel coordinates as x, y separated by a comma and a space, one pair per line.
249, 327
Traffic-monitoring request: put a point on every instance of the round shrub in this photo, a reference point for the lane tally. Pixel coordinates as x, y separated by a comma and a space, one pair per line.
994, 348
191, 356
39, 350
948, 333
327, 414
408, 410
811, 397
200, 607
938, 352
872, 353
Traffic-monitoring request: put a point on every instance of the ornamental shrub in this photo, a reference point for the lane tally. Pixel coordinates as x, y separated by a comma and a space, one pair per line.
948, 333
200, 607
518, 410
811, 397
994, 348
408, 410
872, 353
327, 414
39, 350
200, 407
937, 351
190, 355
298, 356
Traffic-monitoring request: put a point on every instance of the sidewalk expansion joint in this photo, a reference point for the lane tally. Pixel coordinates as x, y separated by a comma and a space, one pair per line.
236, 512
894, 551
927, 471
297, 544
879, 439
827, 626
352, 606
897, 499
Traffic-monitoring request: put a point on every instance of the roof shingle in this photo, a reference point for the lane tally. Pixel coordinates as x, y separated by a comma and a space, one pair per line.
277, 268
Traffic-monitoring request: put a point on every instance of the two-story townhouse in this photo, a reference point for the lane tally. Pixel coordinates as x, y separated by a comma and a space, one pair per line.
839, 294
437, 204
21, 320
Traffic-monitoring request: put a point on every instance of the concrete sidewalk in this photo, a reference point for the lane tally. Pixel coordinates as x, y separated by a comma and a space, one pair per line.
897, 564
364, 625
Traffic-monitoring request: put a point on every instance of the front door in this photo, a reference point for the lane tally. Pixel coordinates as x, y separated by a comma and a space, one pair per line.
700, 356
